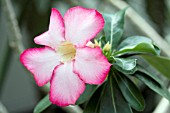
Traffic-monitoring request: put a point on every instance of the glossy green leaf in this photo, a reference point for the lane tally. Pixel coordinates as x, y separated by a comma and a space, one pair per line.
107, 99
113, 28
125, 65
154, 85
161, 64
42, 105
112, 100
136, 45
150, 75
93, 106
144, 67
158, 51
130, 92
90, 89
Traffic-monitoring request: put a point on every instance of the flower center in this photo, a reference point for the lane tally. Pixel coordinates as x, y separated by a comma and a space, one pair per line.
67, 51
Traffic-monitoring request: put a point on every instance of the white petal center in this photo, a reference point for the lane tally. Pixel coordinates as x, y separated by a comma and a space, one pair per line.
67, 51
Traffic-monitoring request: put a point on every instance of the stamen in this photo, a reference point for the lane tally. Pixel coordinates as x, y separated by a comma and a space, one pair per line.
67, 51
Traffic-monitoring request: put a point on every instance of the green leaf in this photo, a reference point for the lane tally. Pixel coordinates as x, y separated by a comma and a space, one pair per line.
90, 89
130, 92
125, 65
107, 99
114, 27
42, 105
136, 45
144, 67
154, 85
158, 51
150, 75
112, 100
93, 104
102, 40
161, 64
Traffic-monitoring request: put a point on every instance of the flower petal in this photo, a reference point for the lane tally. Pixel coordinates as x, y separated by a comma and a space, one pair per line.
40, 62
91, 65
81, 25
66, 86
55, 34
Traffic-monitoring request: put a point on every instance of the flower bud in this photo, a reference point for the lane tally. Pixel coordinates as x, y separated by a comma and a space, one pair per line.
107, 47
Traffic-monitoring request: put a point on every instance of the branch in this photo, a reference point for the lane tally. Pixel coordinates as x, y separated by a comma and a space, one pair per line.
4, 63
2, 108
163, 106
15, 39
17, 45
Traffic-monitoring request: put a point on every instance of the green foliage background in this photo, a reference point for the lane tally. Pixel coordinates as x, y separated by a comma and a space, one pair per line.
33, 18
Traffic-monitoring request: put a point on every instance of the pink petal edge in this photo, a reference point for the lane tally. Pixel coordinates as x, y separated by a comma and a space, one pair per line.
66, 87
56, 24
42, 39
91, 65
82, 25
55, 34
27, 59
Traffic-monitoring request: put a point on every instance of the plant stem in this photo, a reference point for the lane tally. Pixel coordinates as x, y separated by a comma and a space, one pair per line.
2, 108
4, 63
15, 39
17, 45
163, 106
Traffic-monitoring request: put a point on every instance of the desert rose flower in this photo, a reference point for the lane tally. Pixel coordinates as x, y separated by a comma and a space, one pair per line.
65, 60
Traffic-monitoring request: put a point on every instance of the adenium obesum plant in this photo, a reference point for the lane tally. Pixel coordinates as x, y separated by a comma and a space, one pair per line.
67, 61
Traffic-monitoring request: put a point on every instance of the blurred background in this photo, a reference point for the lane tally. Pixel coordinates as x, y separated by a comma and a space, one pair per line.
18, 91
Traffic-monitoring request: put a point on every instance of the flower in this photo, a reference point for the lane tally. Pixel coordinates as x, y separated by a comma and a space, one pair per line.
65, 60
107, 47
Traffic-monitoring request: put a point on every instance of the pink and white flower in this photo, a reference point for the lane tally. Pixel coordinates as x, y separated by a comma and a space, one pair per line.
65, 60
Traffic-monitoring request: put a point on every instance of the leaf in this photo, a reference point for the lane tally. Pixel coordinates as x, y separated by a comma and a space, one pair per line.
161, 64
150, 75
108, 100
130, 92
102, 40
154, 85
114, 27
158, 51
112, 100
136, 45
93, 104
144, 67
125, 65
42, 105
90, 89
